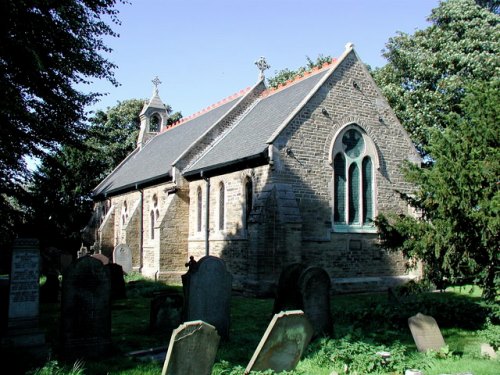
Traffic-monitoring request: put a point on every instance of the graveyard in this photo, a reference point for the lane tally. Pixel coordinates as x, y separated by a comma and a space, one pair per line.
434, 332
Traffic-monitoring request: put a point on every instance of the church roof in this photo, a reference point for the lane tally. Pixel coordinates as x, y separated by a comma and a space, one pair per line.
247, 138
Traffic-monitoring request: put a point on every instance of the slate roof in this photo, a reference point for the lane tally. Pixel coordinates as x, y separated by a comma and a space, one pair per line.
154, 160
247, 139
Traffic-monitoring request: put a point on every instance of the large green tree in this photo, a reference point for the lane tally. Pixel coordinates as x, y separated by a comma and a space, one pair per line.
457, 236
47, 48
427, 71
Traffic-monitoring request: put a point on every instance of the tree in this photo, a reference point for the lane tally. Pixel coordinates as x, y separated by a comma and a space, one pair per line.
458, 234
426, 73
46, 49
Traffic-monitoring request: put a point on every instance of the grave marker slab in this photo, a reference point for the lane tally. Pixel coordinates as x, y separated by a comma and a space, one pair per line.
85, 309
122, 255
192, 349
283, 343
207, 294
288, 294
314, 285
425, 332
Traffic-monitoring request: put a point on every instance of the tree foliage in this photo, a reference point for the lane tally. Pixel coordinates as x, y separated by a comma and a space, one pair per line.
282, 76
458, 233
426, 73
46, 49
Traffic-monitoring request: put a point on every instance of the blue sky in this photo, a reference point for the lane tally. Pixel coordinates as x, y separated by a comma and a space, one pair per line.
204, 51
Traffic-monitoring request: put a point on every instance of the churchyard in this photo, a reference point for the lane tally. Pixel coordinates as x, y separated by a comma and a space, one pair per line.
382, 333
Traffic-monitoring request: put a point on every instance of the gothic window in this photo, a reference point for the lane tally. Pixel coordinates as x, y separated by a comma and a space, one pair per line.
198, 209
354, 156
152, 224
248, 199
154, 123
124, 213
222, 204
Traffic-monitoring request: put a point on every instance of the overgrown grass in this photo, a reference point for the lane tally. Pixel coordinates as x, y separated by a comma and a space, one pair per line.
363, 324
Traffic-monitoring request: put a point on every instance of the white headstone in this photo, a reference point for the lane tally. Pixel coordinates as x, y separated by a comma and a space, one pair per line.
426, 333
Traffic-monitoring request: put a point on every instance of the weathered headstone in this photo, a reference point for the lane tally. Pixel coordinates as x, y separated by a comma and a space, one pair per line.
85, 309
192, 349
314, 285
425, 332
103, 258
283, 343
207, 294
118, 290
288, 294
165, 312
24, 298
122, 255
49, 292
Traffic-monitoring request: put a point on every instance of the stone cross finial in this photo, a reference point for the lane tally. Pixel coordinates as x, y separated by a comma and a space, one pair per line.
262, 65
156, 83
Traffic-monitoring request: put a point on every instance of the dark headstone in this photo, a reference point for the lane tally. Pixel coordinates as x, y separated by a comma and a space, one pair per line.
49, 292
118, 290
165, 312
122, 255
85, 309
65, 261
4, 303
207, 294
103, 258
314, 284
283, 343
191, 350
288, 293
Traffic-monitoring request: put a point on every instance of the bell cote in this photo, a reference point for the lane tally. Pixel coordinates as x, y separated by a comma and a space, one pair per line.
154, 116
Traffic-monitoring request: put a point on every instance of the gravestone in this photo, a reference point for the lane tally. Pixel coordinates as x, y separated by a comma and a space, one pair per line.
24, 299
314, 285
425, 332
118, 290
288, 294
65, 261
283, 343
207, 294
165, 312
122, 255
49, 292
85, 309
103, 258
192, 349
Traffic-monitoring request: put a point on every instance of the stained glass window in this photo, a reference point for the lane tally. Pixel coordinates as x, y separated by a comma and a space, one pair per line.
221, 206
339, 189
367, 190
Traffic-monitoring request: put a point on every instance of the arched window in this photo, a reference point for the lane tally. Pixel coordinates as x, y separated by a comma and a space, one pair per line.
124, 213
354, 157
154, 123
222, 206
152, 224
198, 209
248, 199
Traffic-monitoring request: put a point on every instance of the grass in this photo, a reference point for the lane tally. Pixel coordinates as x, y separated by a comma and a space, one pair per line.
363, 324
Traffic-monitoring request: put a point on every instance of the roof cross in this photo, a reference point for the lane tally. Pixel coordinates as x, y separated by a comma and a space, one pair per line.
262, 65
156, 83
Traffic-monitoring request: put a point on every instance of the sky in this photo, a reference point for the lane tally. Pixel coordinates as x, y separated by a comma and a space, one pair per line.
205, 50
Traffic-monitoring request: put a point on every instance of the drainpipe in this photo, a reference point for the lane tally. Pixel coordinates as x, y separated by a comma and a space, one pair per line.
207, 214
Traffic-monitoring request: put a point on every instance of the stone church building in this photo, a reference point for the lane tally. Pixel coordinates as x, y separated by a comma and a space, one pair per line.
262, 179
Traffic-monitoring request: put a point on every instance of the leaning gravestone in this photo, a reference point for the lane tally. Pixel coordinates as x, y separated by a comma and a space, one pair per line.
122, 255
426, 333
314, 285
192, 349
283, 343
24, 299
207, 294
165, 312
85, 309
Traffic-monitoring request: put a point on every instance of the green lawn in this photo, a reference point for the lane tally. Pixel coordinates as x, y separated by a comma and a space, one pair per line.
363, 325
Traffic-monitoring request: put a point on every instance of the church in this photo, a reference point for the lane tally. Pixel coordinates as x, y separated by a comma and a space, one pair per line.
262, 179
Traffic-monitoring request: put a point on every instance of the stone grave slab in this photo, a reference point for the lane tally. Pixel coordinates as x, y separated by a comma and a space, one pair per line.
118, 289
165, 312
207, 294
288, 294
103, 258
24, 299
192, 349
283, 343
426, 332
122, 255
86, 309
314, 285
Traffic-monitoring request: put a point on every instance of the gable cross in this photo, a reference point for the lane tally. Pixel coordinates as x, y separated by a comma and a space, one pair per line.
156, 83
262, 65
